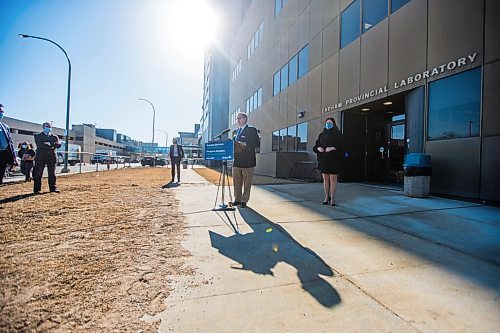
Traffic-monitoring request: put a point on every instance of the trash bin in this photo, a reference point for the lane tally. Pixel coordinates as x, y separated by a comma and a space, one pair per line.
417, 170
185, 164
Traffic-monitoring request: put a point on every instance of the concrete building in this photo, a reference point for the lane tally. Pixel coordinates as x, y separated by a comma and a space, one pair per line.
87, 136
399, 76
217, 69
190, 142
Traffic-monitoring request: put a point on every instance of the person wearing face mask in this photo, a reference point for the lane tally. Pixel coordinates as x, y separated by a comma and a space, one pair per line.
46, 145
176, 156
27, 155
328, 148
7, 153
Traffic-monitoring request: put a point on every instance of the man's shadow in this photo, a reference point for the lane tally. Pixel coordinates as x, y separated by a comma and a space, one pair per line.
261, 250
20, 197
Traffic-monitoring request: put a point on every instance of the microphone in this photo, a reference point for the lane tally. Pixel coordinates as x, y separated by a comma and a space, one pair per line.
218, 136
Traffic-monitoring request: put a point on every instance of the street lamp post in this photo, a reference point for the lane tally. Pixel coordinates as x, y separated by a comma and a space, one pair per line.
154, 113
66, 154
166, 137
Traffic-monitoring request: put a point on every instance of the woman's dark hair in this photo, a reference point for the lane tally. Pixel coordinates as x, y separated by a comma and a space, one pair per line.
333, 121
30, 146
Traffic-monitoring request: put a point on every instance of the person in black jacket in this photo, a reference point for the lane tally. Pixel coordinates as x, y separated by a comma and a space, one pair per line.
27, 155
176, 156
246, 139
329, 149
46, 145
7, 153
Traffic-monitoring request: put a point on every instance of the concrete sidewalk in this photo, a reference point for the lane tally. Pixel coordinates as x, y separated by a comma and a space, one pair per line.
378, 261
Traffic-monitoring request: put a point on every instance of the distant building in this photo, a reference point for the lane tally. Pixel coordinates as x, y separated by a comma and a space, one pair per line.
87, 136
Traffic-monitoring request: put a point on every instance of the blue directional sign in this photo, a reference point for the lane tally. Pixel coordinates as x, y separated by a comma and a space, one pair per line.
219, 150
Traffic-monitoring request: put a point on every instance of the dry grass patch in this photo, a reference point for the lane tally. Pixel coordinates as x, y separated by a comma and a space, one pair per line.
94, 258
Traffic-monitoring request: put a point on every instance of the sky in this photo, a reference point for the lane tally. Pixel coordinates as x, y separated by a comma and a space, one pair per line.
120, 50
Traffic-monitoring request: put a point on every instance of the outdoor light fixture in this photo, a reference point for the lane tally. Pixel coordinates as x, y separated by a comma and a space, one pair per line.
387, 103
301, 114
66, 153
365, 109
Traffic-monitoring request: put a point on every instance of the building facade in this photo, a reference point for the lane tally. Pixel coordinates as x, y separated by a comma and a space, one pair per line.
217, 69
87, 136
399, 76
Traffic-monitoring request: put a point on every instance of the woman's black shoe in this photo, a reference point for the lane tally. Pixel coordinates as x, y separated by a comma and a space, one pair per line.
327, 202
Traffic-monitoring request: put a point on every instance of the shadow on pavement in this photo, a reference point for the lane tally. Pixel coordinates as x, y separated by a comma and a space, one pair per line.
20, 197
261, 250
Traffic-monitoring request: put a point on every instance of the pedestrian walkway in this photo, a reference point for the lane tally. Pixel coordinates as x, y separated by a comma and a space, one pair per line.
376, 262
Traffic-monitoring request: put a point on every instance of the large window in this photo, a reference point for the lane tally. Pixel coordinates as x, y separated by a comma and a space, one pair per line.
284, 77
276, 84
278, 5
374, 11
302, 136
396, 4
293, 68
259, 97
276, 141
454, 106
256, 40
349, 24
282, 146
292, 137
304, 61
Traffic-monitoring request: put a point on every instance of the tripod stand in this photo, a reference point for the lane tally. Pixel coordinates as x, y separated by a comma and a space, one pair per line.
224, 176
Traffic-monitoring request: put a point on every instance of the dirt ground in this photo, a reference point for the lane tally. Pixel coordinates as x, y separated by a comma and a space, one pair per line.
94, 258
213, 176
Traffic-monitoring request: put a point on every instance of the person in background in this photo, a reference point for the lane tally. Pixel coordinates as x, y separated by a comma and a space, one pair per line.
46, 145
176, 156
27, 155
246, 140
7, 153
329, 149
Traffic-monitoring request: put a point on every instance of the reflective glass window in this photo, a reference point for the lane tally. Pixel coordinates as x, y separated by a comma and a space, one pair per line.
292, 69
277, 7
284, 77
276, 140
302, 136
259, 97
374, 11
304, 61
396, 4
282, 140
454, 106
349, 24
292, 137
276, 85
261, 31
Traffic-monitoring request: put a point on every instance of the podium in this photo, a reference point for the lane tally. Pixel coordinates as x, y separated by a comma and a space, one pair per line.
221, 151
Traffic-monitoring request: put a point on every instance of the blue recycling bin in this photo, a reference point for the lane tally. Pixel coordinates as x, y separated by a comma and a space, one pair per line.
417, 171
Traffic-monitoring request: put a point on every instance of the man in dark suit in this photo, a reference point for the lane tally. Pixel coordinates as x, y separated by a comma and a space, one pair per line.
46, 145
7, 153
246, 139
176, 156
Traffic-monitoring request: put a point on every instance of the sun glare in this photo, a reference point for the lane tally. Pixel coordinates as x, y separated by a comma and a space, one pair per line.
187, 26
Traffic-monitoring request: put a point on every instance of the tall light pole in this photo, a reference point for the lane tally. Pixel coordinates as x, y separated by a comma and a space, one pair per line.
154, 114
166, 137
65, 169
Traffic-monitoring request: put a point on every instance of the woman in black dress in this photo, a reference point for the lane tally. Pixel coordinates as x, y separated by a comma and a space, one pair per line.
328, 147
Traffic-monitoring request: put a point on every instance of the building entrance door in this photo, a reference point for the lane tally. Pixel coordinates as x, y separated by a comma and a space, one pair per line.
385, 147
375, 141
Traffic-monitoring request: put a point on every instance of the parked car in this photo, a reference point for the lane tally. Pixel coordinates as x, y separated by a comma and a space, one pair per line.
148, 160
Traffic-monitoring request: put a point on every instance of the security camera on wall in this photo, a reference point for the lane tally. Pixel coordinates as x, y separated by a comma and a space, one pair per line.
301, 114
